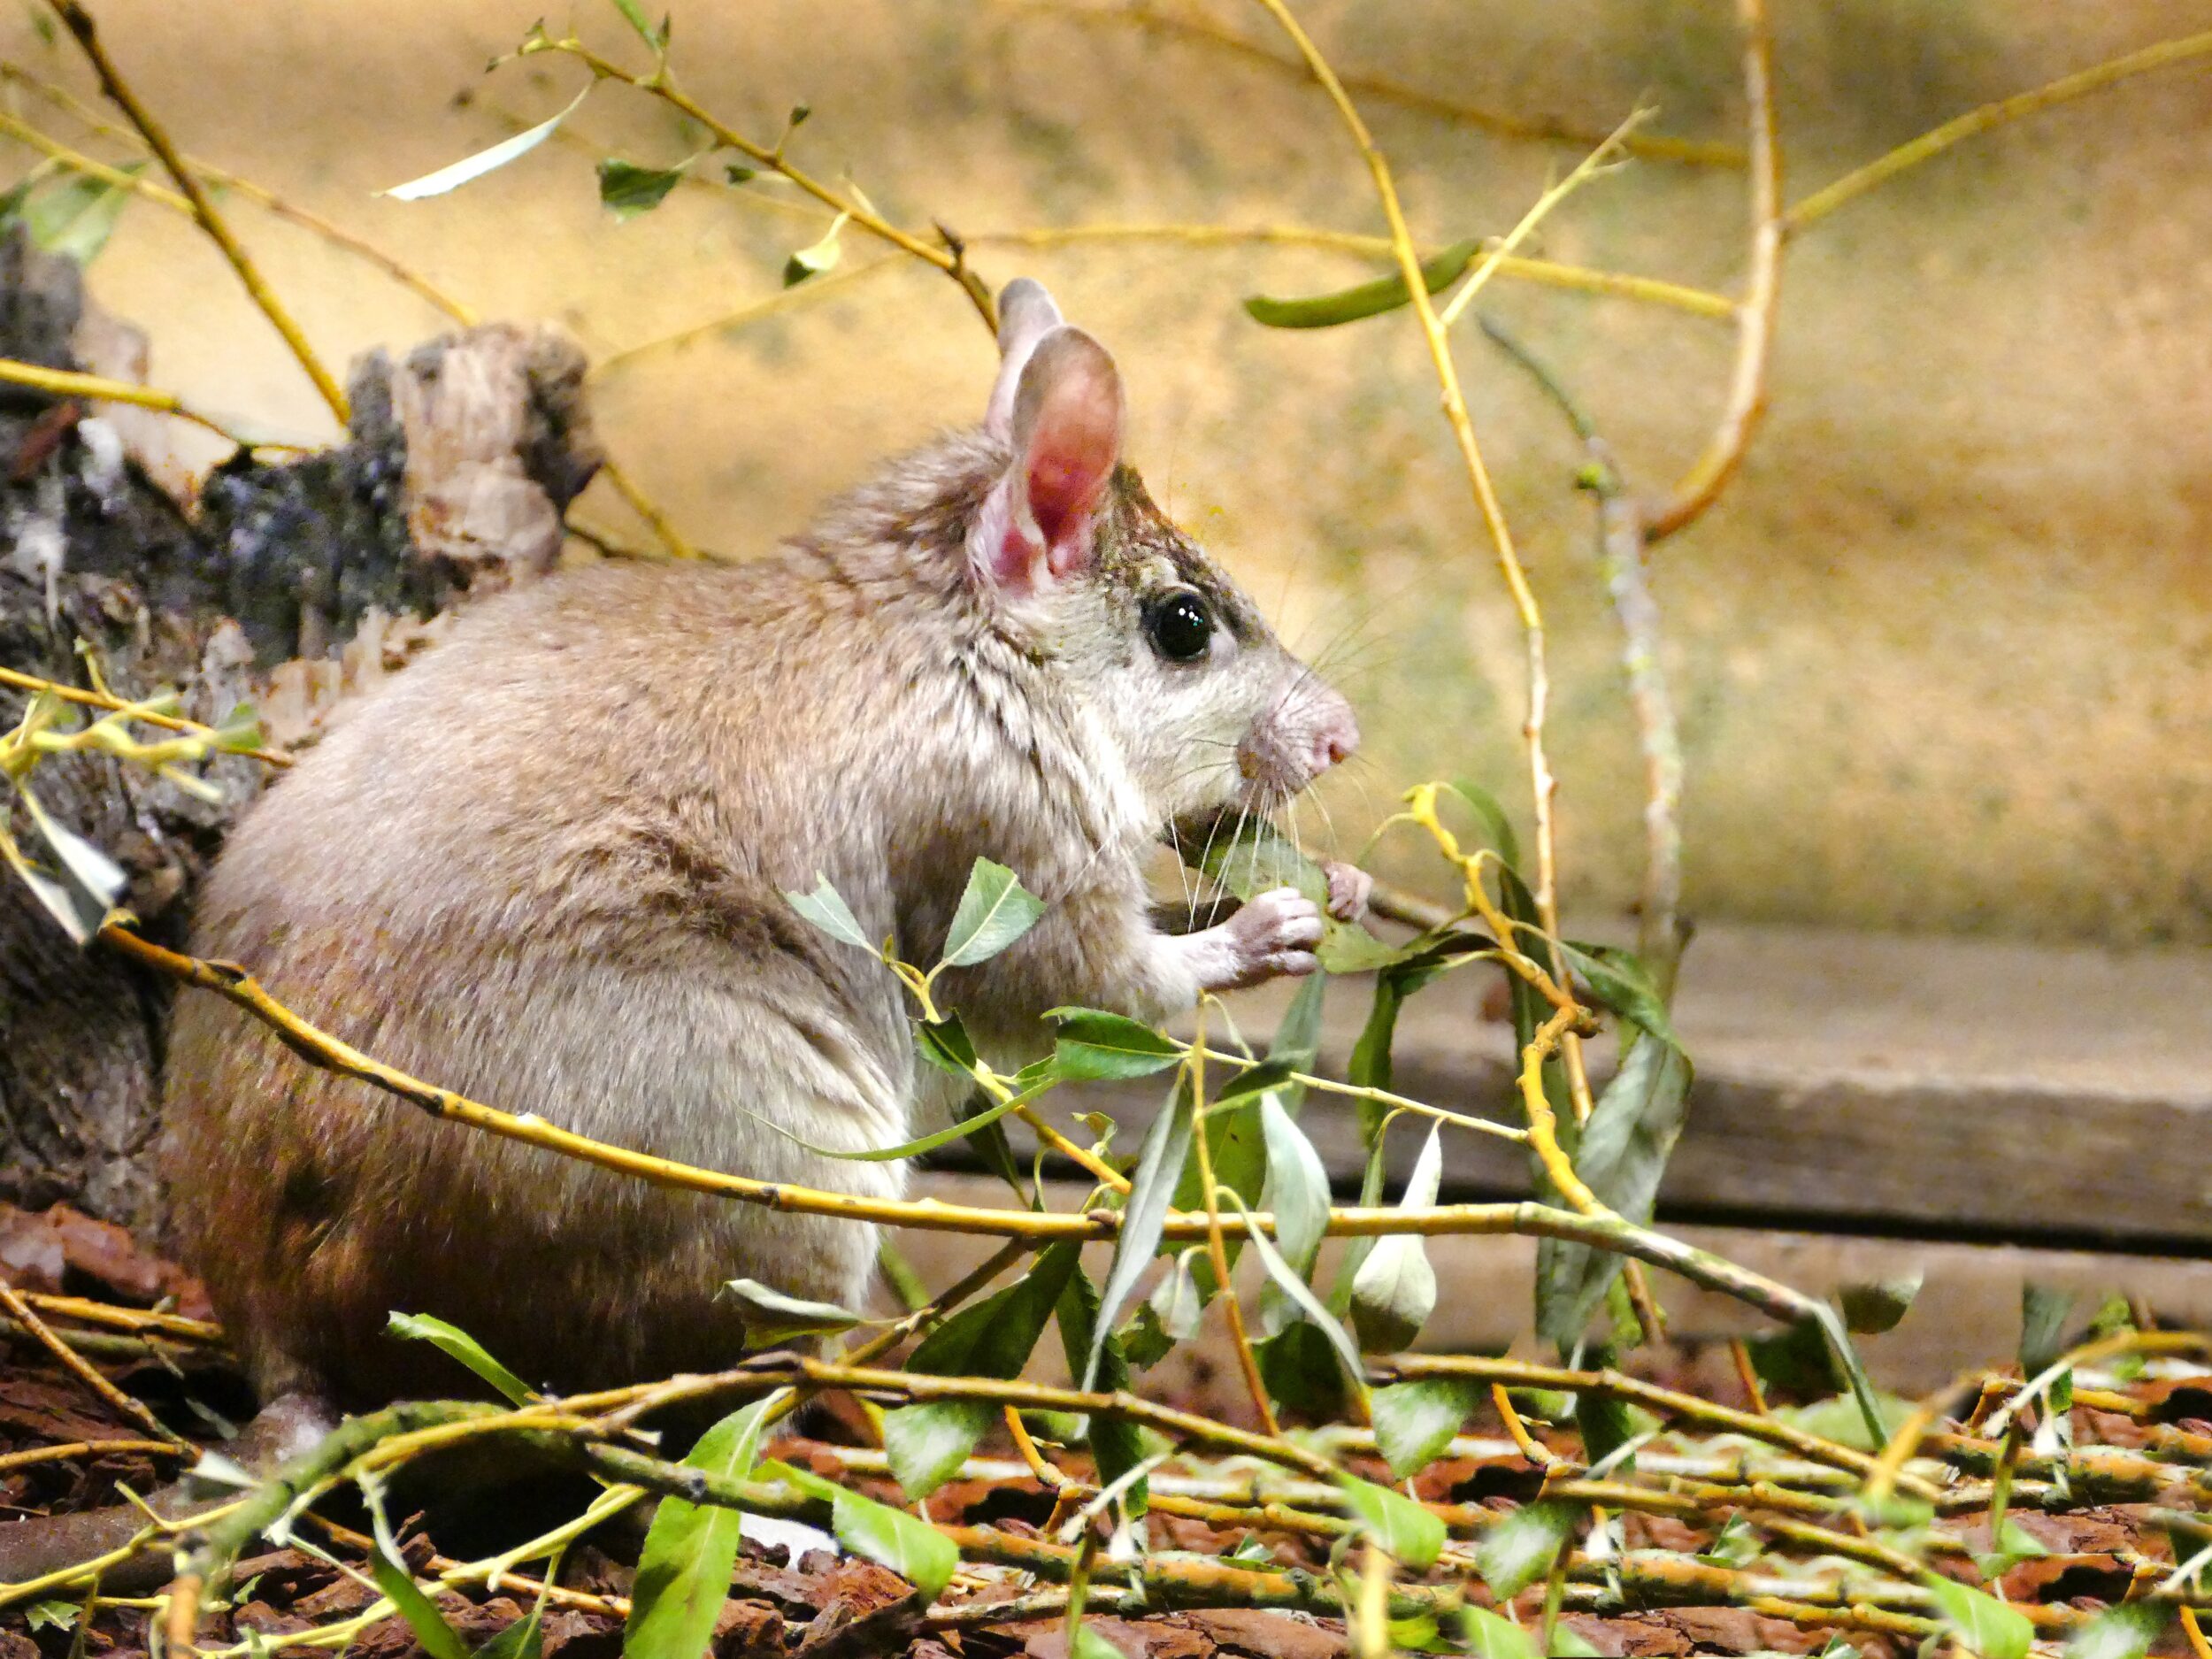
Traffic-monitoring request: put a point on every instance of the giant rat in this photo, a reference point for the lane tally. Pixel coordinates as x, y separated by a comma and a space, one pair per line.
545, 867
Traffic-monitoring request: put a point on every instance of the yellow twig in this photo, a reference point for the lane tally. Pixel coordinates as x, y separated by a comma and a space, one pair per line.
1856, 183
656, 521
137, 711
1545, 273
660, 85
1216, 1251
83, 1369
1689, 151
80, 25
783, 300
267, 199
1701, 485
99, 388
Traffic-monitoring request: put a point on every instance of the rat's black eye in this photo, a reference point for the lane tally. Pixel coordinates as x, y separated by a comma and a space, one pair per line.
1181, 626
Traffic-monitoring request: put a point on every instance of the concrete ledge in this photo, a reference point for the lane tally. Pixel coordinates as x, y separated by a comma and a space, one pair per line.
1857, 1083
1967, 1313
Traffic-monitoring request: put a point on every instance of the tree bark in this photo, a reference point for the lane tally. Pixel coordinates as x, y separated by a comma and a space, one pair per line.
289, 585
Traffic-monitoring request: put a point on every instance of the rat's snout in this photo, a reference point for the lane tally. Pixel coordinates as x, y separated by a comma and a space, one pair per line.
1306, 729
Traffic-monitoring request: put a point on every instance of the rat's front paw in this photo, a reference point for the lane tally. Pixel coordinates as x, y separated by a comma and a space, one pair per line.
1271, 933
1349, 886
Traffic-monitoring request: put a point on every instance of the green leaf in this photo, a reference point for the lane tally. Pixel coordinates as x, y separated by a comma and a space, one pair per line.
1605, 1424
770, 1316
995, 911
1116, 1445
524, 1639
2125, 1632
1735, 1544
451, 1338
241, 729
1415, 1421
1297, 1185
1409, 1533
74, 219
626, 189
1176, 1299
1520, 1550
439, 1639
53, 1615
1490, 1635
944, 1049
1368, 299
826, 908
992, 1338
656, 40
1088, 1644
683, 1577
1395, 1291
1302, 1370
2045, 1312
1496, 826
814, 259
1159, 1170
1983, 1625
1620, 981
1877, 1305
1294, 1286
945, 1044
484, 161
1092, 1043
1622, 1153
891, 1538
925, 1444
85, 892
2014, 1545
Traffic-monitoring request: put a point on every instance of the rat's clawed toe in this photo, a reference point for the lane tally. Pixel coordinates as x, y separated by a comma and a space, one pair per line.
1273, 933
1349, 888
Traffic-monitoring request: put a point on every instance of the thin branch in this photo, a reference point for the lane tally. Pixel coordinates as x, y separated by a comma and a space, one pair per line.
318, 1049
656, 521
336, 236
1218, 1252
1688, 151
80, 25
660, 86
83, 1369
1544, 273
137, 711
1747, 404
1856, 183
97, 388
783, 300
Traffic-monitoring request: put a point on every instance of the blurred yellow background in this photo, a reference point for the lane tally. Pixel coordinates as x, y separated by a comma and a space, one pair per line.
1943, 653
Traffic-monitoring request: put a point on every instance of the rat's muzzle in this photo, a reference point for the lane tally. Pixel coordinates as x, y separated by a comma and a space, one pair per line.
1306, 730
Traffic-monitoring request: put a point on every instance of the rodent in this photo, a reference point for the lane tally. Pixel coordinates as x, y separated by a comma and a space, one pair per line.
545, 867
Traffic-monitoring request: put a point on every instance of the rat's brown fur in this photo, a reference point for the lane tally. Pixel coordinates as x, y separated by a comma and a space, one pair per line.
545, 867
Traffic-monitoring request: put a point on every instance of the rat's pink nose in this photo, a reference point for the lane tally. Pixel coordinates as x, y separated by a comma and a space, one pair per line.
1334, 737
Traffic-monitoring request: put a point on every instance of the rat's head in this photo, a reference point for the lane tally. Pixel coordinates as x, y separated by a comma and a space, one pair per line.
1209, 710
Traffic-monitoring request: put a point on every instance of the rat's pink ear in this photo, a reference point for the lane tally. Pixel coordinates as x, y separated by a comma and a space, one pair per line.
1064, 426
1025, 315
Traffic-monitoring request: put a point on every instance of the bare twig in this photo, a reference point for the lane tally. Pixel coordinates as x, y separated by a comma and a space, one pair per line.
1709, 474
81, 25
662, 86
97, 388
1856, 183
1192, 26
82, 1368
336, 236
